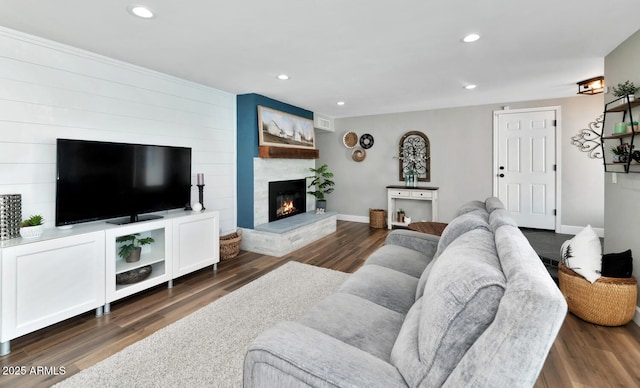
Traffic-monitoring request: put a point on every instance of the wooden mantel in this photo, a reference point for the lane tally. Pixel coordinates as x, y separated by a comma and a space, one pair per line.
287, 152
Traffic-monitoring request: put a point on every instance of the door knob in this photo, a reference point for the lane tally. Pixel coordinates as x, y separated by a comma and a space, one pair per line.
502, 167
501, 175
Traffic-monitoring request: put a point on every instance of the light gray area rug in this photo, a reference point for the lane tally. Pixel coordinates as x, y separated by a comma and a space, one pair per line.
207, 347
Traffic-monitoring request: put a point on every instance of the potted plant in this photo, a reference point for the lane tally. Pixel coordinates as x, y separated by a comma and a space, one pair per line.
132, 246
32, 227
400, 215
632, 126
617, 152
322, 184
626, 88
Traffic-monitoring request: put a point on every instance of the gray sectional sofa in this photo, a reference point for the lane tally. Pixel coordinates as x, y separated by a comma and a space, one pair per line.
472, 308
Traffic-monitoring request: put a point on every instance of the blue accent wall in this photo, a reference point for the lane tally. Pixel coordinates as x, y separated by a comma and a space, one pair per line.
247, 147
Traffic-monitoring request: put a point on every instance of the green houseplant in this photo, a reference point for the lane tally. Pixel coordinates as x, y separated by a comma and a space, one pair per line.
132, 246
32, 227
322, 184
626, 88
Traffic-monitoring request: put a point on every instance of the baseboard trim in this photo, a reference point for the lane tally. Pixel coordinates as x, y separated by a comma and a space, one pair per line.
348, 217
570, 229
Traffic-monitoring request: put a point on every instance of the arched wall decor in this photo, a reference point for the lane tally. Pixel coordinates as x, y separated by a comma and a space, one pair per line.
414, 155
588, 139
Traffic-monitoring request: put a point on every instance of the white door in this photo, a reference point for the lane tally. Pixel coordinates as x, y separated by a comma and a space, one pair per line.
525, 165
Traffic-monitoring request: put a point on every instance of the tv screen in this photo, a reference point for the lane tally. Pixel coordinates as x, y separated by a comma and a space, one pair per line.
101, 180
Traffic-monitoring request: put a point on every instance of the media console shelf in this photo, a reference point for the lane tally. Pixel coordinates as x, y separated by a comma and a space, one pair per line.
65, 273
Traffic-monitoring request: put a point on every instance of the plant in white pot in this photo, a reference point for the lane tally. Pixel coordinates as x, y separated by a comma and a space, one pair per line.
32, 227
322, 184
132, 246
626, 88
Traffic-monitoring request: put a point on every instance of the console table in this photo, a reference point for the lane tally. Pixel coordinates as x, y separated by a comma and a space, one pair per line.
410, 193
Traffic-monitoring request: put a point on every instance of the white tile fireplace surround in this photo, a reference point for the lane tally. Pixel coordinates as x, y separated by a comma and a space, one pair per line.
268, 170
272, 241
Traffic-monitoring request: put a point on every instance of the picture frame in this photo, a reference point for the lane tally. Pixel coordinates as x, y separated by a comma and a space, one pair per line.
281, 129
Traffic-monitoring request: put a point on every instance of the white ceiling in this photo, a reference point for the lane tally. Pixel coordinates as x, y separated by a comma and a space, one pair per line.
377, 56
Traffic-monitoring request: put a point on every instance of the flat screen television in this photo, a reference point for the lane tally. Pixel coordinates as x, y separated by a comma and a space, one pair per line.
102, 180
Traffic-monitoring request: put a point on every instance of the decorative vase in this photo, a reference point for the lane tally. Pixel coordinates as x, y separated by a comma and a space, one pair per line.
321, 204
32, 231
134, 256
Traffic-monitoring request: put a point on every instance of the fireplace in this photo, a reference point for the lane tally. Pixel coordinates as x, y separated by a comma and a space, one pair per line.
287, 198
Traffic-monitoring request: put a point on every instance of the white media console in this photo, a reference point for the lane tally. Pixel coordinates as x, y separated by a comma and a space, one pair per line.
65, 273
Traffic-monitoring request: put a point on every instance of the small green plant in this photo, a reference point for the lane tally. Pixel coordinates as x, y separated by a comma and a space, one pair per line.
132, 242
32, 221
321, 182
624, 89
616, 150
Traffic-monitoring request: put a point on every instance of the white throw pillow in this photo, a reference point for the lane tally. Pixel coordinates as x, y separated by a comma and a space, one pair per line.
583, 254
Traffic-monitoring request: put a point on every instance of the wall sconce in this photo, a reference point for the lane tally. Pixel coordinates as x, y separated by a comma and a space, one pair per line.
591, 86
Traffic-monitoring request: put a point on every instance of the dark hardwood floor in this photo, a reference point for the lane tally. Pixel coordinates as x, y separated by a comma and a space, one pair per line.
584, 355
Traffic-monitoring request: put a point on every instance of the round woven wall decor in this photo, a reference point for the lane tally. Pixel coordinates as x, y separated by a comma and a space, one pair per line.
350, 139
358, 154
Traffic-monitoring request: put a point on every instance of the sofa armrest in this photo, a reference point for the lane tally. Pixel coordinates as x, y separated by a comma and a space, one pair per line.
418, 241
290, 354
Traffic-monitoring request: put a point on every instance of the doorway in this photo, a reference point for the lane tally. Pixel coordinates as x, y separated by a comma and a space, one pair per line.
525, 165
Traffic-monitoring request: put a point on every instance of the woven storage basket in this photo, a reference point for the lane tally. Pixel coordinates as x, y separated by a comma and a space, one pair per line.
230, 245
607, 302
377, 218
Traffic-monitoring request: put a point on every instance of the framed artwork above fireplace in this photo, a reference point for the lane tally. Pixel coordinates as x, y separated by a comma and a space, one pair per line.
282, 129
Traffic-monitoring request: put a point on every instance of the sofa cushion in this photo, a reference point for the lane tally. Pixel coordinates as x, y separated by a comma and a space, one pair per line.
460, 225
383, 286
400, 259
356, 322
460, 301
492, 204
500, 217
469, 207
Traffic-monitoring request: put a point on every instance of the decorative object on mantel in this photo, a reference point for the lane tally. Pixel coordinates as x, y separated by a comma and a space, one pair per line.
358, 154
10, 216
588, 139
350, 139
414, 157
322, 184
366, 141
230, 245
32, 227
282, 129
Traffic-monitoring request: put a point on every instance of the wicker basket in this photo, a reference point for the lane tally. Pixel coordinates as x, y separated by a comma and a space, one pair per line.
377, 218
230, 245
607, 302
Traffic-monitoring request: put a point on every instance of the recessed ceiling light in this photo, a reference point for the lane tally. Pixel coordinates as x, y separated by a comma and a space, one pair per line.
469, 87
340, 103
471, 38
283, 77
141, 11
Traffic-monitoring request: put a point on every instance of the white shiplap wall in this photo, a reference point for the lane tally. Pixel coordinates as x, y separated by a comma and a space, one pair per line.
49, 90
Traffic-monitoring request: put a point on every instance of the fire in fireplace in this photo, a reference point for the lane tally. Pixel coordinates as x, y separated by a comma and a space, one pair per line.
287, 198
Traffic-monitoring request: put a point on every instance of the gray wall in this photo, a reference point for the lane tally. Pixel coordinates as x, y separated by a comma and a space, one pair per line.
622, 200
461, 160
